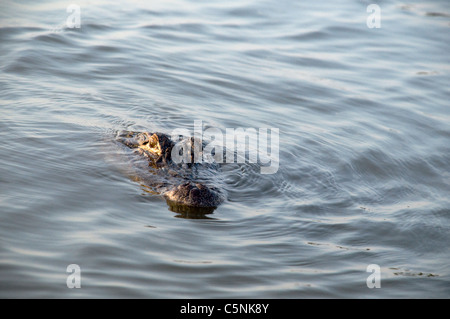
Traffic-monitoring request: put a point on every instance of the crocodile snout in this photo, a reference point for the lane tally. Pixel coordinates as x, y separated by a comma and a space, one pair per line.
197, 195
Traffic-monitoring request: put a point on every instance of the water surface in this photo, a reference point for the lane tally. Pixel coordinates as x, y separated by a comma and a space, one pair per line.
364, 148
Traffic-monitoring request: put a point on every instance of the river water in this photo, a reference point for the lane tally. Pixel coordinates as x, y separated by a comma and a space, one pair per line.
364, 157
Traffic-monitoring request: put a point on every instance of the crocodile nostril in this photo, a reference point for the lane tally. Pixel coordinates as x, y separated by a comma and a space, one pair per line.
194, 193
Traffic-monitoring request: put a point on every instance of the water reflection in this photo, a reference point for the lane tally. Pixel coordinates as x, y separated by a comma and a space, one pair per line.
190, 212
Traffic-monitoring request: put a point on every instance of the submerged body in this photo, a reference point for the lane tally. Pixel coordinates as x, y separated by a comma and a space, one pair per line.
176, 182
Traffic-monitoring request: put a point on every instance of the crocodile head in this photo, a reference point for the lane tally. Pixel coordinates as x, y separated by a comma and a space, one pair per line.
156, 147
184, 193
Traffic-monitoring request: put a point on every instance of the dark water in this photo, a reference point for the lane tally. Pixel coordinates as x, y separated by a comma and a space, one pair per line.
364, 151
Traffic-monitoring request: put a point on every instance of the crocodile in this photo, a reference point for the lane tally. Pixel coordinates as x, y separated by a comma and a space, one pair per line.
187, 187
